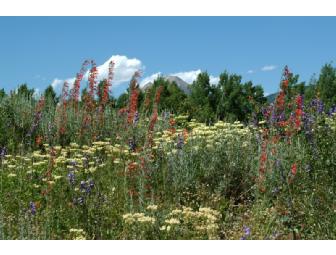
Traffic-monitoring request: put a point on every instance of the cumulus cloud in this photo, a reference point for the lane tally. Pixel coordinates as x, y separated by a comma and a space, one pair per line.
268, 68
250, 71
124, 69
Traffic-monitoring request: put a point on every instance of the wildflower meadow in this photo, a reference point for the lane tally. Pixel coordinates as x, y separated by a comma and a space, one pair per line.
87, 166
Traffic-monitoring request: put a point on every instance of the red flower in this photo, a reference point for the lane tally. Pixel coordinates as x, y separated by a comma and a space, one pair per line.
285, 84
294, 169
39, 140
158, 94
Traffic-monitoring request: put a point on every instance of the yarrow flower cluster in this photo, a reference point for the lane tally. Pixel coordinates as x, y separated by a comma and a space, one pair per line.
77, 234
130, 218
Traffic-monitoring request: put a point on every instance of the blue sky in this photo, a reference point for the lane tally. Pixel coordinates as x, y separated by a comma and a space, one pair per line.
48, 50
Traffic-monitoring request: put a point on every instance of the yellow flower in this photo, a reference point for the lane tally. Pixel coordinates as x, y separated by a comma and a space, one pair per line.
11, 175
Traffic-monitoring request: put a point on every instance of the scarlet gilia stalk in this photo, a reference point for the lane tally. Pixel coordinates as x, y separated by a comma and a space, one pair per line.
79, 77
89, 99
108, 84
154, 116
279, 111
92, 85
298, 112
147, 99
153, 119
133, 100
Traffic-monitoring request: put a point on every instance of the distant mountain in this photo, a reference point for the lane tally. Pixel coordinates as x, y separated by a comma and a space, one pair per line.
271, 97
179, 82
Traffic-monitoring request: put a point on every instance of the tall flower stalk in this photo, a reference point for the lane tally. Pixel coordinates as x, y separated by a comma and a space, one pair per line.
133, 99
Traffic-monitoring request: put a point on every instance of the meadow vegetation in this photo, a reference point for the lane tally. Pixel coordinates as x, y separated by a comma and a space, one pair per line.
219, 163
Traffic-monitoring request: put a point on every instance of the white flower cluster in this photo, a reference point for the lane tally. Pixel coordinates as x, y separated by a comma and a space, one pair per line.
131, 218
77, 234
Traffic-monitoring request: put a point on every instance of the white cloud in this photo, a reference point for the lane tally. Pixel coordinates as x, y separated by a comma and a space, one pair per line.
268, 68
214, 80
250, 71
189, 76
124, 69
56, 83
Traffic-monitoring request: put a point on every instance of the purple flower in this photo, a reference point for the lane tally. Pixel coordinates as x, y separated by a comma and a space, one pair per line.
132, 145
71, 177
3, 152
247, 233
32, 208
318, 105
332, 110
86, 186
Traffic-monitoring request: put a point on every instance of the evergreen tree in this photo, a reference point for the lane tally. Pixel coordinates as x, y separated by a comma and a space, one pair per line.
230, 105
50, 96
203, 98
24, 91
2, 94
326, 85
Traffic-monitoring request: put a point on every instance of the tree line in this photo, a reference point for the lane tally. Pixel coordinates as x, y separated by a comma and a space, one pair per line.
230, 99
